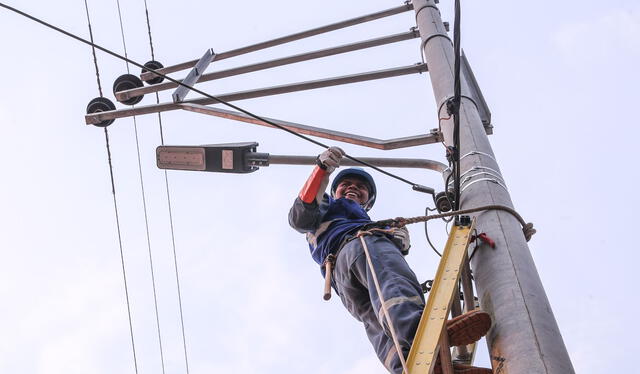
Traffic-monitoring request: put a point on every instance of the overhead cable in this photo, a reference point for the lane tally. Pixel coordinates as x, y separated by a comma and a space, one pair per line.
115, 203
144, 204
166, 183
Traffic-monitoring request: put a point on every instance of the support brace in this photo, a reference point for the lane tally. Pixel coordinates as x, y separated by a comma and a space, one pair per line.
181, 92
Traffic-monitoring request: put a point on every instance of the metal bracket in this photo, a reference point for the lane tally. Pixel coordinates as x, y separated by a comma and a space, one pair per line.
409, 141
476, 93
182, 91
492, 180
479, 153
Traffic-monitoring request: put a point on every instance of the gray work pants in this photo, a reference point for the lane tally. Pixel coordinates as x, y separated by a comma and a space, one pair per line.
400, 289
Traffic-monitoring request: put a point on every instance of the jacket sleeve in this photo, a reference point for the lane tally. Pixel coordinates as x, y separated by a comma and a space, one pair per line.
304, 217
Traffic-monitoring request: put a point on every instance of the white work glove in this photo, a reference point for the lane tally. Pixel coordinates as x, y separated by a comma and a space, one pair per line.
330, 159
401, 239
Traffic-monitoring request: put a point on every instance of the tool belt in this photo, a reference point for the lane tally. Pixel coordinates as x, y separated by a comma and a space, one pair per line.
329, 262
333, 255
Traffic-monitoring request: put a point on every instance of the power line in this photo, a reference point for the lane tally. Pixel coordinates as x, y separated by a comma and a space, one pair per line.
144, 204
115, 203
146, 12
166, 183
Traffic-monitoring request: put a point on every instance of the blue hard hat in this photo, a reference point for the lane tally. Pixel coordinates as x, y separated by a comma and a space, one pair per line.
360, 174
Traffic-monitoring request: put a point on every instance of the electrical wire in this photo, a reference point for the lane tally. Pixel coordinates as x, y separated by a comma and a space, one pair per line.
146, 12
456, 106
144, 203
166, 182
426, 232
93, 50
116, 55
115, 202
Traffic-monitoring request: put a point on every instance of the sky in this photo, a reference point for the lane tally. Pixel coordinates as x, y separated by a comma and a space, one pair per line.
560, 81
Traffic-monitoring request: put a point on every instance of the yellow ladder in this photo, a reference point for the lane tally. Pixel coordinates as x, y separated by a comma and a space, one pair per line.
431, 335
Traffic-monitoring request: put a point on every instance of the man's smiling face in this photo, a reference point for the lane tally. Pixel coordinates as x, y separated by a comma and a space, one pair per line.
352, 188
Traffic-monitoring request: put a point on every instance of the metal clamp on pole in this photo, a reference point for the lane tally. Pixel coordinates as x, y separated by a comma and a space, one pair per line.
181, 92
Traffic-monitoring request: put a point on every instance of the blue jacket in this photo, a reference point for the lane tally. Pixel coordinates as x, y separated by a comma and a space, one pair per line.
327, 224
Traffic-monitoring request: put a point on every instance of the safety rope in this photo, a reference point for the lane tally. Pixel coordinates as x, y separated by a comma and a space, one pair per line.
144, 202
170, 211
361, 234
115, 203
527, 227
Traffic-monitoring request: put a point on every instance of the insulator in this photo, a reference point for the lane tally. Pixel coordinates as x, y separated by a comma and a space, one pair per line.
443, 201
128, 82
101, 104
154, 65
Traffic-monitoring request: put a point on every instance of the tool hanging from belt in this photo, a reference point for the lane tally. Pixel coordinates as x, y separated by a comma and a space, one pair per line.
330, 261
329, 264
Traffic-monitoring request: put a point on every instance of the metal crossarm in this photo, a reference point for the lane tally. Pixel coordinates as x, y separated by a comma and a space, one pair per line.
286, 39
94, 118
127, 94
431, 328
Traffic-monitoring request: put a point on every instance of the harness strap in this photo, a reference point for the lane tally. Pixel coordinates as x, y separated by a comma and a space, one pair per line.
329, 262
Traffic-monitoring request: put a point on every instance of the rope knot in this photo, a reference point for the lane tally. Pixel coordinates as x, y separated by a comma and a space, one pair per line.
330, 259
399, 222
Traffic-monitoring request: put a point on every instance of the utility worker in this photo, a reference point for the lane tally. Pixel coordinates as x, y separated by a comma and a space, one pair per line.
331, 223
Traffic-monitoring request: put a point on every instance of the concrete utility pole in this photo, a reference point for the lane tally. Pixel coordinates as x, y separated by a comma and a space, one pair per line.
525, 338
